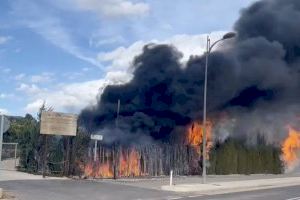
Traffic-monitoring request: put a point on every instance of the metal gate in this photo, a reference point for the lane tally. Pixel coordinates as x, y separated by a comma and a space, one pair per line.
10, 158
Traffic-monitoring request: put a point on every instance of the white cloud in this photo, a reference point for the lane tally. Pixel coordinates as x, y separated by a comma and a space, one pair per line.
75, 96
34, 106
73, 75
29, 89
2, 96
19, 77
4, 39
85, 69
6, 96
5, 70
52, 31
42, 78
99, 40
50, 28
122, 57
113, 8
4, 111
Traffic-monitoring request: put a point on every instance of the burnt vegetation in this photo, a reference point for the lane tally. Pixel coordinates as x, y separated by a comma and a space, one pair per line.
230, 157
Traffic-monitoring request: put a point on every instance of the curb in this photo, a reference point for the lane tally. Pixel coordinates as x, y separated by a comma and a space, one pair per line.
229, 187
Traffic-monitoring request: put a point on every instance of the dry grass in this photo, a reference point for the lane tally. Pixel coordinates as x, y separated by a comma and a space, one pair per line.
8, 196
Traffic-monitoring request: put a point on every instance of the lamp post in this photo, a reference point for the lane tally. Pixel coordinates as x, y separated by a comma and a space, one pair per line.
209, 48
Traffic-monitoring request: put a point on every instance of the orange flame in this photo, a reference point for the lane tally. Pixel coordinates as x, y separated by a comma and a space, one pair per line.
88, 170
104, 171
129, 165
291, 147
195, 135
97, 170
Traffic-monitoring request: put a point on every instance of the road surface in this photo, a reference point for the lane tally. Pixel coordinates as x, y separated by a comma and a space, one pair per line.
286, 193
83, 189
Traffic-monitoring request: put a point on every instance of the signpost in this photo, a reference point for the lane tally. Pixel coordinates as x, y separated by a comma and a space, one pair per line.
4, 126
96, 138
54, 123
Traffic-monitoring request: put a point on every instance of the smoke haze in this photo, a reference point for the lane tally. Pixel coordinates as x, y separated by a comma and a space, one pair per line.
253, 80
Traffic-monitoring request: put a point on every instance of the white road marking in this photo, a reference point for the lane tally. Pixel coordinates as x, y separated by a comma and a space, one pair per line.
295, 198
173, 198
163, 198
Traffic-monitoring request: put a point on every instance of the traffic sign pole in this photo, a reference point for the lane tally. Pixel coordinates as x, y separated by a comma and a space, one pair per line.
95, 151
96, 138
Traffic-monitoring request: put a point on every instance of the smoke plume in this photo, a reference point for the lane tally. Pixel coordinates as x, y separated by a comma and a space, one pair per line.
253, 79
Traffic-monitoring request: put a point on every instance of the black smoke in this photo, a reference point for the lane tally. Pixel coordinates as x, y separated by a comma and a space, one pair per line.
254, 79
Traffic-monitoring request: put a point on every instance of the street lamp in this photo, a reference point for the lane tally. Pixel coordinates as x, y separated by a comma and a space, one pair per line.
208, 50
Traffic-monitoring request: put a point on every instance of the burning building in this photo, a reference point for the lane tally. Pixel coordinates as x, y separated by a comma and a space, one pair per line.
254, 80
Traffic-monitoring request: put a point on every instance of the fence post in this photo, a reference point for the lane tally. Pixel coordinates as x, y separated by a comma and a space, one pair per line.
171, 177
45, 160
16, 149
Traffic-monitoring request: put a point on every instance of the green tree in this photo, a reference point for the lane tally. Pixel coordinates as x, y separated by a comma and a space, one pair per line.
236, 157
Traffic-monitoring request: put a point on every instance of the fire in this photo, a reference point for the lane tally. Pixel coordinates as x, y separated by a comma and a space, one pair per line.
97, 170
291, 147
129, 163
104, 171
88, 170
195, 135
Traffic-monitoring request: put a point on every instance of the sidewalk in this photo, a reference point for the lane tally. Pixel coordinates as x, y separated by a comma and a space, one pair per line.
234, 186
9, 164
9, 175
157, 182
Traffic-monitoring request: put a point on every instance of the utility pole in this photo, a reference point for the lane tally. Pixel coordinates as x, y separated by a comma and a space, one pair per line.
114, 145
118, 112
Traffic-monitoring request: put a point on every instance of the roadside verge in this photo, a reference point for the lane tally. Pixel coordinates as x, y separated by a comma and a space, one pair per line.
234, 186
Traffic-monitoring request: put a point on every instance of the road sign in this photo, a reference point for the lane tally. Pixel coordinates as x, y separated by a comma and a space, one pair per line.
53, 123
96, 137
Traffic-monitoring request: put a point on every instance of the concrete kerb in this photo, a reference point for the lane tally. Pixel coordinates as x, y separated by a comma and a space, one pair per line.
234, 186
1, 193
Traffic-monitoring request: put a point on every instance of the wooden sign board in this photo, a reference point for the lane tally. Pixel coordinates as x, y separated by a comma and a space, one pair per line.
53, 123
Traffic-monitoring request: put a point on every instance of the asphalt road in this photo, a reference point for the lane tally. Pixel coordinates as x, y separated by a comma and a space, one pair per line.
82, 190
77, 190
285, 193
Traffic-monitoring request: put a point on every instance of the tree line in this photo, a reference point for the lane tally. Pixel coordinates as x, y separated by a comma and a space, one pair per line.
230, 157
236, 157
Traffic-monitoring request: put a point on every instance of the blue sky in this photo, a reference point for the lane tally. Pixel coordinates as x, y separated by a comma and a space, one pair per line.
65, 52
